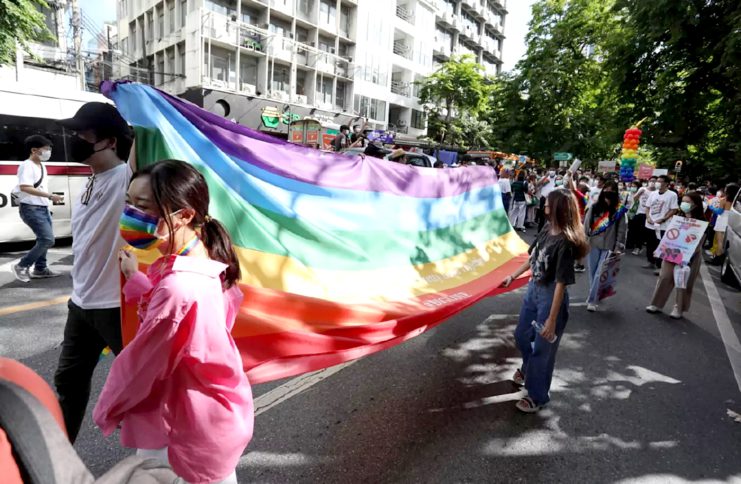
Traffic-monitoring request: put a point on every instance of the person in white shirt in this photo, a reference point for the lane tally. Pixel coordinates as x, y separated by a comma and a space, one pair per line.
662, 206
505, 187
34, 199
101, 140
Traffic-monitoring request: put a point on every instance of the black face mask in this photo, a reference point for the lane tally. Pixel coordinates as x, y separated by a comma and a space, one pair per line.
81, 150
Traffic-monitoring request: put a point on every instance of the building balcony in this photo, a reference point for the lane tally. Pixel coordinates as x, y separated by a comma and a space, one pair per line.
285, 6
248, 89
404, 13
301, 99
401, 88
281, 48
468, 32
441, 49
401, 48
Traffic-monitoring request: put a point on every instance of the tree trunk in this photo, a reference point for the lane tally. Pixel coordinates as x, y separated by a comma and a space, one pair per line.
448, 108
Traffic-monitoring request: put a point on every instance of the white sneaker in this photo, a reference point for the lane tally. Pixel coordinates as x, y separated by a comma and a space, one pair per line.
676, 313
591, 308
20, 273
652, 309
636, 251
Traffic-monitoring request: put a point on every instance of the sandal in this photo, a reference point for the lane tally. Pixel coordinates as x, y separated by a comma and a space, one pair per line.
518, 378
527, 405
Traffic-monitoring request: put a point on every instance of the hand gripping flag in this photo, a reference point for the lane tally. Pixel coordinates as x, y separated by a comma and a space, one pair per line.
341, 257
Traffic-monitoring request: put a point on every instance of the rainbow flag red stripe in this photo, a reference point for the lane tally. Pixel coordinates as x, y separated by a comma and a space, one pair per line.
341, 257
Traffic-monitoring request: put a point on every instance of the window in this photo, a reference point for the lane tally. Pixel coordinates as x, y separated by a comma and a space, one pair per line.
181, 58
16, 129
341, 96
150, 26
324, 91
327, 13
305, 8
124, 46
248, 70
302, 35
132, 38
123, 8
171, 15
371, 108
249, 16
171, 68
223, 66
418, 119
160, 22
345, 19
183, 12
160, 69
281, 79
279, 28
326, 45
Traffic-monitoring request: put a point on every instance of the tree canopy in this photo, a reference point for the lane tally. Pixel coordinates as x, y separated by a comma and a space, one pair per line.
21, 21
456, 96
595, 67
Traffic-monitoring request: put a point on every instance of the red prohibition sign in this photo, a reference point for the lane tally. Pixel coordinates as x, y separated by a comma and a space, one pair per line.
672, 234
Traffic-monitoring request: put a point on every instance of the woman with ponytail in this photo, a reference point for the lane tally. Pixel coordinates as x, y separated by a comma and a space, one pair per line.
545, 310
606, 226
178, 391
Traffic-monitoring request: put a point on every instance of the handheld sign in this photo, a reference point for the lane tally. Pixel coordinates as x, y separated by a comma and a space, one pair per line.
680, 240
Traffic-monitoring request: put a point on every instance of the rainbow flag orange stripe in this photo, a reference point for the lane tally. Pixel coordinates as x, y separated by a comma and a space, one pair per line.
341, 257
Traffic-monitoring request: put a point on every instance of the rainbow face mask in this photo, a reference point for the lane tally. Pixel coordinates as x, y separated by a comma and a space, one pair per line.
138, 228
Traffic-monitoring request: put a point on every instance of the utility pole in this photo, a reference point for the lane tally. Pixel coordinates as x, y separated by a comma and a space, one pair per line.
77, 36
108, 68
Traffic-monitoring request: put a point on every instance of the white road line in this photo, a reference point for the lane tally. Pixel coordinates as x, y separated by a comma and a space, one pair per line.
6, 267
293, 387
727, 333
500, 317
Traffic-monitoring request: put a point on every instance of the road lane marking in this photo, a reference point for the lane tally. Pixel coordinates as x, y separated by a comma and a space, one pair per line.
727, 333
34, 305
293, 387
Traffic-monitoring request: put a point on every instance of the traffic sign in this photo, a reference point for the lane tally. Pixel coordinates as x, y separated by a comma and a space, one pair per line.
562, 156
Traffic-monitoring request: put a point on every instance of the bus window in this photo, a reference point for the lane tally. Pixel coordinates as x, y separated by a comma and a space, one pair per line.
15, 129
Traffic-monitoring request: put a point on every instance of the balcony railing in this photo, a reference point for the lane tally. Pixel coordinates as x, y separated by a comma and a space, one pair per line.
402, 49
401, 88
404, 13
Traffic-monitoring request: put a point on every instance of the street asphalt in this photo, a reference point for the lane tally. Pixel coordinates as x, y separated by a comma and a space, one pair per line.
636, 397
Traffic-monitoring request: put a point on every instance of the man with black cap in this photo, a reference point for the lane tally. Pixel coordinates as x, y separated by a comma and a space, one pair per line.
100, 139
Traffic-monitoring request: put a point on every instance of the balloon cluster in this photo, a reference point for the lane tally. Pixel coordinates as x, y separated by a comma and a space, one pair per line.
631, 141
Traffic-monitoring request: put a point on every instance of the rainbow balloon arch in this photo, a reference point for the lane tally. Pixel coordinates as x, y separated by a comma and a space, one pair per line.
629, 157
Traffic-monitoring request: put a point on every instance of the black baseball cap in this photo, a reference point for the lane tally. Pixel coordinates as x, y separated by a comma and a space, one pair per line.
103, 118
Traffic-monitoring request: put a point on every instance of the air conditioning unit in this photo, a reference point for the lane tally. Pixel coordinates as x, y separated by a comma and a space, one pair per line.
248, 89
302, 99
279, 96
219, 84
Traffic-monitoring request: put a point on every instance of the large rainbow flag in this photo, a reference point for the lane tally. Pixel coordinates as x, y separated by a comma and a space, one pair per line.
341, 257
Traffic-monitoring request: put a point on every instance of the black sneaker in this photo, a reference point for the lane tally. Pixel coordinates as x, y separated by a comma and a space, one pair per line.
44, 274
20, 273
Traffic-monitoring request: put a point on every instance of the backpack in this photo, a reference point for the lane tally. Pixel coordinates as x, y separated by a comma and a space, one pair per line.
43, 454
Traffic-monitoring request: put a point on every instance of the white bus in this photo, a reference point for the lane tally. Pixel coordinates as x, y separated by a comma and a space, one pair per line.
25, 112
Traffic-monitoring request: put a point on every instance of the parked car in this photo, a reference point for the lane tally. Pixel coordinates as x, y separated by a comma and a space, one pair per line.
730, 271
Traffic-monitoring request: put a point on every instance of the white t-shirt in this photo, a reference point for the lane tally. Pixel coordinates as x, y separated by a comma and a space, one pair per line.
643, 194
96, 240
29, 173
505, 186
659, 204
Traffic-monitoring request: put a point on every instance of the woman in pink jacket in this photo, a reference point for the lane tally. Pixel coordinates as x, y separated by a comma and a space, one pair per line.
178, 391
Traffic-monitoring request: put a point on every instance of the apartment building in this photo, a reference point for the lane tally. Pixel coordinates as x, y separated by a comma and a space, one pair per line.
263, 63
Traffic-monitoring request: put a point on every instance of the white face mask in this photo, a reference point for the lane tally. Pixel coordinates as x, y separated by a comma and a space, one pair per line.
652, 185
45, 155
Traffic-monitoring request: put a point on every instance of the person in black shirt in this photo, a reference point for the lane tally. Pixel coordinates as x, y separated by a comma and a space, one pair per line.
340, 142
546, 303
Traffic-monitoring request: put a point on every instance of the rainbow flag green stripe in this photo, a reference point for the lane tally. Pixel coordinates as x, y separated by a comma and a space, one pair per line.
341, 257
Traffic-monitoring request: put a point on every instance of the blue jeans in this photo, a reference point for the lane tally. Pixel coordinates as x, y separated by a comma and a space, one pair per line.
38, 219
538, 359
594, 260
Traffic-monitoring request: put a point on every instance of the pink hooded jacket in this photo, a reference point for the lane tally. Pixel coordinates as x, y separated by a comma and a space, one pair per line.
180, 383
